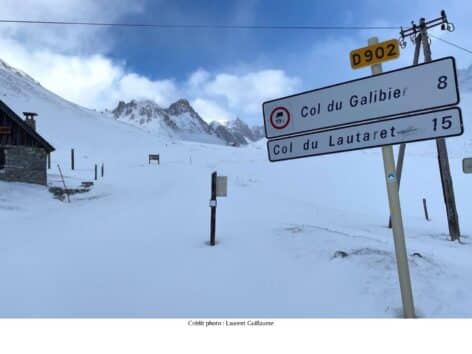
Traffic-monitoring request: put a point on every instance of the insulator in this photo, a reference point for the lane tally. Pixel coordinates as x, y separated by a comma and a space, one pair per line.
402, 43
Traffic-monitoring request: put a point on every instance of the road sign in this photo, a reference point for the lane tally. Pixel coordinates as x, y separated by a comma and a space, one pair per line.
221, 186
5, 131
375, 54
403, 129
279, 117
411, 89
467, 165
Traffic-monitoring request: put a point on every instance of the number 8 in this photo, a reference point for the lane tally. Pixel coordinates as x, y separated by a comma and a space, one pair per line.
442, 82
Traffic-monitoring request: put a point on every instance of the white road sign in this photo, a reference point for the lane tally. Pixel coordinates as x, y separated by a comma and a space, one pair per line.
222, 186
411, 89
404, 129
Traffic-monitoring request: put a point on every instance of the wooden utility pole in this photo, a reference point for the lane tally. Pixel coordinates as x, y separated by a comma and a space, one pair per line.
420, 34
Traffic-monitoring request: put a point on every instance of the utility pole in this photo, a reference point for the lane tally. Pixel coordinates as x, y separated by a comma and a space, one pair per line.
419, 33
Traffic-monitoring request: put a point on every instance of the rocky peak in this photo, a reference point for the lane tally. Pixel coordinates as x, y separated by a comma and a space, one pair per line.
240, 127
180, 107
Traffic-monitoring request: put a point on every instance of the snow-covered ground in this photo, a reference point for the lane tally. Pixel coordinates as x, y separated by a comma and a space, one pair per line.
136, 245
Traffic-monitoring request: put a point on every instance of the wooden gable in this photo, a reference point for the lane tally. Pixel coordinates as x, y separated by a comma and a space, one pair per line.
14, 131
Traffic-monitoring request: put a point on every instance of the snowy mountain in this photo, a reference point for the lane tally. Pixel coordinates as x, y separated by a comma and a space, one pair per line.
258, 132
226, 134
181, 121
242, 130
237, 126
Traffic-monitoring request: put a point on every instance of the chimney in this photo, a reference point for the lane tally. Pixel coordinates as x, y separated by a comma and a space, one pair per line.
29, 119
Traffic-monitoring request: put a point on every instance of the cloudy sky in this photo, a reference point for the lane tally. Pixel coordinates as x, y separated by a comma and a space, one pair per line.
224, 73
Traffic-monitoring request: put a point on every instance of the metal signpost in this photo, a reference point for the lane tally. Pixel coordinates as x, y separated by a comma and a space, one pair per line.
397, 130
219, 188
406, 90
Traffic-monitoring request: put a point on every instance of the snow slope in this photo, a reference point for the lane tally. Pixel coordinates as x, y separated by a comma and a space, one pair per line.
135, 246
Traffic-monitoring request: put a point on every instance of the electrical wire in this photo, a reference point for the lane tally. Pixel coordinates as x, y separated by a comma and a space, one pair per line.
451, 43
203, 26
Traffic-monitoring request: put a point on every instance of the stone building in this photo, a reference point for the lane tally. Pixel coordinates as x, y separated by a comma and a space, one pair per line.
23, 152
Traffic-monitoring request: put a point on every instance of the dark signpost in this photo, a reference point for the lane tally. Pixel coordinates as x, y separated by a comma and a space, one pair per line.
218, 189
213, 209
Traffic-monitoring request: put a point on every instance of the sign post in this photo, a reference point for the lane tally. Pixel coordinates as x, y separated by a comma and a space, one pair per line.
219, 188
396, 107
397, 222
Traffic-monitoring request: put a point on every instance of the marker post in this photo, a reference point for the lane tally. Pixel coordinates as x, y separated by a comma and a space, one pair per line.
396, 214
213, 209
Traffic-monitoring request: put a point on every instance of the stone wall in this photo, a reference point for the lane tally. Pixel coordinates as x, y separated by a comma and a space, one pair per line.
25, 164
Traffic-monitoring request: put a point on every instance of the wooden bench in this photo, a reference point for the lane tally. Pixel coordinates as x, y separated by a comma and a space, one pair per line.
154, 157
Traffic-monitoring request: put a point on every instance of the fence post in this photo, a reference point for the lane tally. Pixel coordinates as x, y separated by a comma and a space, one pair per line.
72, 159
425, 207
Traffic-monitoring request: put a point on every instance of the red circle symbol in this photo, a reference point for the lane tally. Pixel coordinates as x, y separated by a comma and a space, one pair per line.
280, 117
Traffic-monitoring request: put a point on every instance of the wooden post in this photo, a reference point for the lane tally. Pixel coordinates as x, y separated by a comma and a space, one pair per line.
397, 220
49, 161
426, 215
96, 170
64, 183
103, 170
443, 159
213, 209
72, 159
401, 150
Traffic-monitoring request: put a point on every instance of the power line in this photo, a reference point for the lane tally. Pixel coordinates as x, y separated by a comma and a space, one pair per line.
451, 43
204, 26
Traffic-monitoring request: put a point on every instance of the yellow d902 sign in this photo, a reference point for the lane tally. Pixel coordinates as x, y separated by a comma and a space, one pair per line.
375, 54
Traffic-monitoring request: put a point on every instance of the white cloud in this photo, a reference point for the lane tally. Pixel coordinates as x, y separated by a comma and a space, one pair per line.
246, 93
211, 111
134, 86
198, 78
96, 81
59, 38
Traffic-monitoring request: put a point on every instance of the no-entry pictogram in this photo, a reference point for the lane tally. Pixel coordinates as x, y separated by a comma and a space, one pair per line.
279, 117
